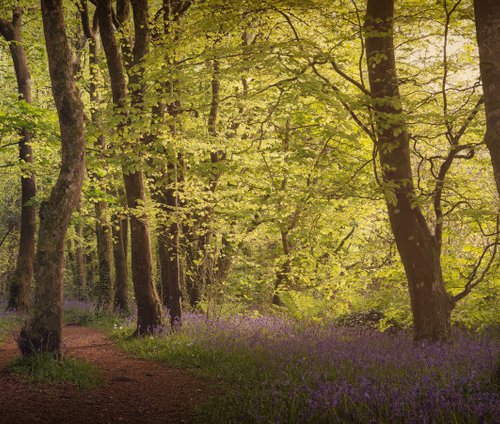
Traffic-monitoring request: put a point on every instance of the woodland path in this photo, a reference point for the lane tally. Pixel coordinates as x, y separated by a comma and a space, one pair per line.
134, 391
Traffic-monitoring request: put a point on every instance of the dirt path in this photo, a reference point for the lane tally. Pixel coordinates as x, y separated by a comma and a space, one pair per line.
134, 391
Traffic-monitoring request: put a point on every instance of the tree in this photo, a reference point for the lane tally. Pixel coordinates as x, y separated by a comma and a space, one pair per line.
487, 14
149, 313
23, 274
120, 238
167, 180
42, 333
419, 251
103, 228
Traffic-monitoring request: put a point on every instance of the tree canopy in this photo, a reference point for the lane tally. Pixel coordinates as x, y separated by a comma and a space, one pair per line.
311, 158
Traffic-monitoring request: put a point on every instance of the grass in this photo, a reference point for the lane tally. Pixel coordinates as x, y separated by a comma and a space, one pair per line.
86, 314
235, 372
45, 368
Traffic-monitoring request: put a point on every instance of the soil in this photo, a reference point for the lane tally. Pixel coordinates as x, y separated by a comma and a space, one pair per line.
134, 391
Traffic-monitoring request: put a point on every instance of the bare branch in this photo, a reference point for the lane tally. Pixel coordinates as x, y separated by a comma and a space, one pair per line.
473, 281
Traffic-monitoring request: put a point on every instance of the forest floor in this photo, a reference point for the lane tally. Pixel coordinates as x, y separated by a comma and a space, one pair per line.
134, 390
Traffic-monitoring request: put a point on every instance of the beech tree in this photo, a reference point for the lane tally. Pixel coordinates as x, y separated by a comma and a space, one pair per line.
431, 304
103, 227
23, 274
487, 14
149, 313
42, 333
419, 248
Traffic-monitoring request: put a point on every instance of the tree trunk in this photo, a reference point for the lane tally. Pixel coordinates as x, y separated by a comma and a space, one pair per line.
167, 188
79, 269
488, 39
103, 235
431, 304
169, 241
149, 311
120, 228
174, 274
89, 275
103, 228
23, 274
283, 276
204, 254
163, 265
42, 333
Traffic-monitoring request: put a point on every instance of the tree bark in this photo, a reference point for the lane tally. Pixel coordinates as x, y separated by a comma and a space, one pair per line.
79, 269
104, 242
283, 275
201, 257
89, 275
173, 260
42, 333
120, 228
487, 14
23, 274
167, 188
103, 228
163, 265
431, 304
149, 311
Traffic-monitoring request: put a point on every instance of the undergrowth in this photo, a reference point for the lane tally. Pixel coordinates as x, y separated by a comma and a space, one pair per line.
44, 368
272, 371
8, 322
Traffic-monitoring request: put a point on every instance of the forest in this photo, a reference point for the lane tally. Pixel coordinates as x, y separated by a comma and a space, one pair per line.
250, 211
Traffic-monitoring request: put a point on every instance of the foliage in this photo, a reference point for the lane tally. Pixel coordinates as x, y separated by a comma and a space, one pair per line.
297, 162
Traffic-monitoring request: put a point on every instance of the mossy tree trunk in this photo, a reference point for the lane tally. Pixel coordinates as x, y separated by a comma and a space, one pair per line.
42, 333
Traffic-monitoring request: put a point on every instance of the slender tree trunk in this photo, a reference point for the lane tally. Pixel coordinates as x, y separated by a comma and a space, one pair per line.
121, 270
89, 275
142, 267
163, 265
169, 241
104, 242
283, 276
149, 311
174, 278
431, 304
23, 274
103, 228
42, 333
488, 39
167, 185
124, 232
79, 258
169, 249
200, 255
